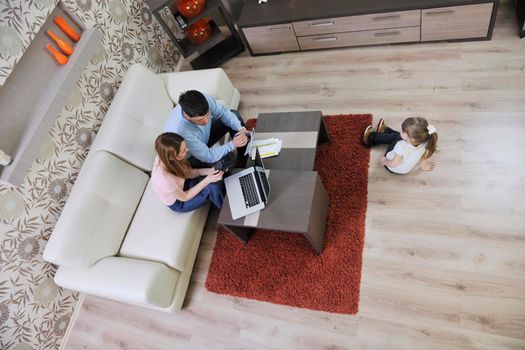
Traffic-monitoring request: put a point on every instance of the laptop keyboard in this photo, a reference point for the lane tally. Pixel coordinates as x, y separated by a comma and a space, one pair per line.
249, 190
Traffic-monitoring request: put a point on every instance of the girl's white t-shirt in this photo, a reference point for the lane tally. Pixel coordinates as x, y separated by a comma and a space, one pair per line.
411, 156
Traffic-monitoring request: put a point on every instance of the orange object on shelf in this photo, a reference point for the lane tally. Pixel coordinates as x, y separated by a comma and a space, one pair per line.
62, 45
191, 8
199, 31
59, 57
70, 32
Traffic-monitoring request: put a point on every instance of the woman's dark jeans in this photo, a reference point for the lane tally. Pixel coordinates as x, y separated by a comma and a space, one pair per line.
214, 193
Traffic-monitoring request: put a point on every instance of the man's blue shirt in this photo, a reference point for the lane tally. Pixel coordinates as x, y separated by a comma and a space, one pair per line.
198, 136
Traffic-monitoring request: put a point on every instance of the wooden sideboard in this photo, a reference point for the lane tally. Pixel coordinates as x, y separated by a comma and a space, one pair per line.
287, 25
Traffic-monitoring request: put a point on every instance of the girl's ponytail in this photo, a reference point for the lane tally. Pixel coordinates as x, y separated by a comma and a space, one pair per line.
431, 145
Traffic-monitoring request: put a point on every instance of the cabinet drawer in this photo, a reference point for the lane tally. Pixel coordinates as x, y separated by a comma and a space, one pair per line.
456, 22
274, 38
355, 23
367, 37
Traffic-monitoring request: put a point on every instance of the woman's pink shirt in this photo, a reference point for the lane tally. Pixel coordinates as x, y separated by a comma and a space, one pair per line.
165, 183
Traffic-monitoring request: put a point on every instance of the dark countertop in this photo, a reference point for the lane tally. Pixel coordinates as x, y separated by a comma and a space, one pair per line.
285, 11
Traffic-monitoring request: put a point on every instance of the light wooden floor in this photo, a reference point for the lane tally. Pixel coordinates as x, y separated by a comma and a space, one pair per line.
444, 258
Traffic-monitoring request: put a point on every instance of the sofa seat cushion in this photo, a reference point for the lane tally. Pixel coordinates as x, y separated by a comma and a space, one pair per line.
135, 118
97, 213
139, 282
159, 234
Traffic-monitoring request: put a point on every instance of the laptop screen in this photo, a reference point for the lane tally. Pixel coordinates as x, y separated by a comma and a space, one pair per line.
258, 159
261, 178
250, 144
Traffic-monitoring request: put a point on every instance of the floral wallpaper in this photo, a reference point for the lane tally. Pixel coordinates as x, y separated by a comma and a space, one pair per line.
34, 312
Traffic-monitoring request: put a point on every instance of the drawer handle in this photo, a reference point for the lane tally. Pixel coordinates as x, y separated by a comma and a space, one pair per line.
322, 24
391, 33
386, 18
288, 27
443, 12
326, 38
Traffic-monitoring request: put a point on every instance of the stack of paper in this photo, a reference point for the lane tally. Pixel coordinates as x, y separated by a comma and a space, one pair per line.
268, 147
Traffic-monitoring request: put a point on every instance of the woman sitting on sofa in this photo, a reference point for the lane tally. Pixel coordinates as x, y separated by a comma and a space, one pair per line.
177, 184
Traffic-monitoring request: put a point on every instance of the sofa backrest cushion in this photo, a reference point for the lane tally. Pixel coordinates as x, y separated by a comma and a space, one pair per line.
135, 118
97, 213
214, 82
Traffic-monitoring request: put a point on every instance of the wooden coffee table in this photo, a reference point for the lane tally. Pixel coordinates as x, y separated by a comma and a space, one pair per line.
300, 133
298, 200
298, 203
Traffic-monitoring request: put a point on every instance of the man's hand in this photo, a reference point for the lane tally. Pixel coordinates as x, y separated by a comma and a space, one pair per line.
243, 130
240, 140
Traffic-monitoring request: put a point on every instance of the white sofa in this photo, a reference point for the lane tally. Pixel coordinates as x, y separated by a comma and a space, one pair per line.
114, 238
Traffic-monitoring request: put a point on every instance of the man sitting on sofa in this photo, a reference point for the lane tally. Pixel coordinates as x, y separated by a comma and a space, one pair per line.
191, 120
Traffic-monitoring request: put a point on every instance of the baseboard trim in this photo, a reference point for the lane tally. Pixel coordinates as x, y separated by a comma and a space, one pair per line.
72, 321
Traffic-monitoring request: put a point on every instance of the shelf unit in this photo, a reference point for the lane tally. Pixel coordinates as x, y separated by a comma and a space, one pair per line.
222, 44
216, 37
36, 91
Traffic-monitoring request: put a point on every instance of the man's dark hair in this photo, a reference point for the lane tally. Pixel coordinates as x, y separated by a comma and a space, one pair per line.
193, 103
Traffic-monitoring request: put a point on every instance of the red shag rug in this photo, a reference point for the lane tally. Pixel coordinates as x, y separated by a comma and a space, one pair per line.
282, 268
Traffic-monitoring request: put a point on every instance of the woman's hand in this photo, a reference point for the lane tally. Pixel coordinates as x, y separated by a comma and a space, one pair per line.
427, 165
383, 160
214, 177
207, 171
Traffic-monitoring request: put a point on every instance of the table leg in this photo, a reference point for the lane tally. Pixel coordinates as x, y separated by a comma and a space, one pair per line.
317, 225
242, 233
323, 132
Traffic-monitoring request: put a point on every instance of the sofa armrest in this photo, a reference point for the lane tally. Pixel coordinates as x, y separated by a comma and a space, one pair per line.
133, 281
214, 82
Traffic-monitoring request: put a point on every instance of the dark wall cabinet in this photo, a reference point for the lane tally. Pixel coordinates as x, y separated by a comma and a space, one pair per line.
223, 43
281, 26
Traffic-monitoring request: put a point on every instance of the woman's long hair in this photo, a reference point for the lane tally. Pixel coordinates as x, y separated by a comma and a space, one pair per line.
168, 146
417, 129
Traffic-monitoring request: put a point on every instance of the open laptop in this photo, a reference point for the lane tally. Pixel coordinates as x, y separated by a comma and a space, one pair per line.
248, 190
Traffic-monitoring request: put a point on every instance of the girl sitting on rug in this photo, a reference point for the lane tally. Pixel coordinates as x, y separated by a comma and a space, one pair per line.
177, 184
417, 141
